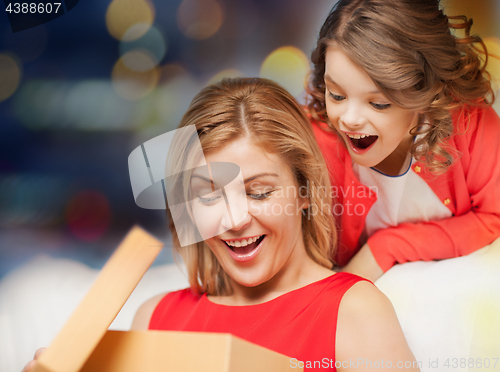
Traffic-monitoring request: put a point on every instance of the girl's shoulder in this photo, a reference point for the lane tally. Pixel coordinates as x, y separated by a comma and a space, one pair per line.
469, 119
324, 134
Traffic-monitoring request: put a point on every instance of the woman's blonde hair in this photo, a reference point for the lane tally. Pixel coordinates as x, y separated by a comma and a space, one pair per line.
271, 118
408, 50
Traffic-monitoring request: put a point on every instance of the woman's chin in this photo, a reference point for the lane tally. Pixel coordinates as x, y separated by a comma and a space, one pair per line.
248, 279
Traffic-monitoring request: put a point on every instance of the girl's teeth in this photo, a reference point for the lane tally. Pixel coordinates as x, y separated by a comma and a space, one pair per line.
358, 136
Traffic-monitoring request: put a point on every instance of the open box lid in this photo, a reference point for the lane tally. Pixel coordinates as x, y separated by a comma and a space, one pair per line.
95, 313
85, 344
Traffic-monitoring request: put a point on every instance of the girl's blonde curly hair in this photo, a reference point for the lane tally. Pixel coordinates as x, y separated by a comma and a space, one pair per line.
408, 50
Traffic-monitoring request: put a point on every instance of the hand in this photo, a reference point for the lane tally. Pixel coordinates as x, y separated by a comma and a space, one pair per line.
363, 264
28, 367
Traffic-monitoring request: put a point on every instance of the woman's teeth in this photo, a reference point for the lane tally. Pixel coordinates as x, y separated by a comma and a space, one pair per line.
242, 243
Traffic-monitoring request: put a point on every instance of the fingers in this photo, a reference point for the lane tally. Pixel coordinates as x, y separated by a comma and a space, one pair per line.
28, 367
39, 352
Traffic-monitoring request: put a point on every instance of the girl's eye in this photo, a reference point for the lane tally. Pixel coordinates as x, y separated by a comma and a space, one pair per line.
336, 97
260, 196
380, 106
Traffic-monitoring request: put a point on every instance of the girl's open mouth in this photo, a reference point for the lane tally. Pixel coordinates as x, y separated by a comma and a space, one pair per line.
361, 145
244, 250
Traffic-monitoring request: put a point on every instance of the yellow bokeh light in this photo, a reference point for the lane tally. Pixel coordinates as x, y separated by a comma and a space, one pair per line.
199, 19
132, 84
123, 15
172, 98
287, 66
486, 326
493, 67
228, 73
139, 60
10, 76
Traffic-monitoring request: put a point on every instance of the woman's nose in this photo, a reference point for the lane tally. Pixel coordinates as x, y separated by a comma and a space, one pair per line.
241, 221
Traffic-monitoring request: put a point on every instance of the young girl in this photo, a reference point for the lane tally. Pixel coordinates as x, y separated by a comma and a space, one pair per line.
415, 143
262, 268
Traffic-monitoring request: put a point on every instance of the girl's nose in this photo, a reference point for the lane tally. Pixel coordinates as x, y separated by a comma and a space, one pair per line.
352, 117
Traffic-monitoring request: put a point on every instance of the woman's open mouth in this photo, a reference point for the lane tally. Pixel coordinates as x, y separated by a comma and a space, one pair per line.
244, 249
361, 143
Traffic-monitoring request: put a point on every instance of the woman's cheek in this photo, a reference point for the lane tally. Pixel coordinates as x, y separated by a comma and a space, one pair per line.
261, 208
255, 208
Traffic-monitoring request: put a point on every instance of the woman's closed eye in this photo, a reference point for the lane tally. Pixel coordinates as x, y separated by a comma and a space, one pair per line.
260, 196
209, 199
214, 198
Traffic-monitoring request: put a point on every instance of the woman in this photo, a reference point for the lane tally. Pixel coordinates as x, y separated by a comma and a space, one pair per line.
268, 278
258, 244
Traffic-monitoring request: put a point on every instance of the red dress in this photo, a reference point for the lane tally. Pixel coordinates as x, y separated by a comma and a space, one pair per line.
301, 324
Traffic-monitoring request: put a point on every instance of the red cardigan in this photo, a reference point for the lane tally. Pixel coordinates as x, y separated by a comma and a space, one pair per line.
470, 188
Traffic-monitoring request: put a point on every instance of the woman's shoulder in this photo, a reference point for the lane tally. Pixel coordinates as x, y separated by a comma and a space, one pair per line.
365, 314
333, 289
362, 297
145, 312
365, 311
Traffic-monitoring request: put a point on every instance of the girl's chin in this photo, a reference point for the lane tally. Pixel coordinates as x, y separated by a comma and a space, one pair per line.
364, 161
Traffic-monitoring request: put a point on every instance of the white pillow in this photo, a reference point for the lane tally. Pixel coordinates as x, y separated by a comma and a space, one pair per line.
450, 310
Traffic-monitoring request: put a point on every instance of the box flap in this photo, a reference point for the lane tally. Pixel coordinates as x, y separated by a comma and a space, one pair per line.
95, 313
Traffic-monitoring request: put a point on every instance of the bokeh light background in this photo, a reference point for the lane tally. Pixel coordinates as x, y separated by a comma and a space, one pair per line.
78, 94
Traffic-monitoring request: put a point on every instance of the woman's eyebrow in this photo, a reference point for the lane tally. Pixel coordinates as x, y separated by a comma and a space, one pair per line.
249, 179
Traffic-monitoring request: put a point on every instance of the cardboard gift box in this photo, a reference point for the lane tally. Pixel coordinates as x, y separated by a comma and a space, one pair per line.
85, 344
